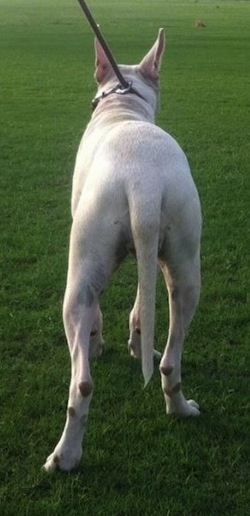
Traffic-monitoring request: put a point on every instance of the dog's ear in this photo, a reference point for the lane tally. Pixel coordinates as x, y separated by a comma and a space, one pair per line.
151, 63
101, 62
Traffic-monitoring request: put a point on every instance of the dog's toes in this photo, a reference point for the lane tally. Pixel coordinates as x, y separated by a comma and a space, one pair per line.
193, 408
51, 464
193, 403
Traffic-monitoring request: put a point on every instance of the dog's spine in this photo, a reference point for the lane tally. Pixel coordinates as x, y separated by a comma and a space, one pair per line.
146, 245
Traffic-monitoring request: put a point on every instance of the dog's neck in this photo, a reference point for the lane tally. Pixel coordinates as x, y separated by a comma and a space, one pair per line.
123, 107
139, 101
118, 89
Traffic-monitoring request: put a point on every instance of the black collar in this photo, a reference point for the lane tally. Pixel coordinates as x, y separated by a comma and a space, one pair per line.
118, 89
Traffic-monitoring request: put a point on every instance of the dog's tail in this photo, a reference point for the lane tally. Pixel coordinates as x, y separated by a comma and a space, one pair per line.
145, 223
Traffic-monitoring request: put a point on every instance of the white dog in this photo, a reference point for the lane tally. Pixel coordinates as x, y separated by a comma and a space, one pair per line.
132, 191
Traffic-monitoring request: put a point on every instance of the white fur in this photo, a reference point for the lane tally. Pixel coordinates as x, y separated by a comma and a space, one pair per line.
132, 190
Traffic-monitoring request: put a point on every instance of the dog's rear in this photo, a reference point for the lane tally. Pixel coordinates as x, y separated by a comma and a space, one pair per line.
132, 191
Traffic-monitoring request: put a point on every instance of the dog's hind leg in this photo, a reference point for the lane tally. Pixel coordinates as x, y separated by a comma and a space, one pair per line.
183, 283
134, 343
96, 345
78, 321
81, 316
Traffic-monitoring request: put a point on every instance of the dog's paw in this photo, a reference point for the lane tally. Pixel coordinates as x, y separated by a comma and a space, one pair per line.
65, 461
188, 408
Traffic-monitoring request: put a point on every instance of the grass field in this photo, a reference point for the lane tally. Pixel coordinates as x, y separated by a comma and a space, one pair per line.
137, 460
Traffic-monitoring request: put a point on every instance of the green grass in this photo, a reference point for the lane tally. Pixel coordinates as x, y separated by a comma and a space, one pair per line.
137, 460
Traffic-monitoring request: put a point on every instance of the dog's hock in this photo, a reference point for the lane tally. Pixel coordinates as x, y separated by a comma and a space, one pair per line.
151, 63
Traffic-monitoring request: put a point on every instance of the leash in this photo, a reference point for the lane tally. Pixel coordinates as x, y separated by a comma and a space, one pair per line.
105, 47
124, 86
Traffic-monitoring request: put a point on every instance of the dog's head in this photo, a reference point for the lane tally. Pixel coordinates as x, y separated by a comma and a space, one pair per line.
143, 76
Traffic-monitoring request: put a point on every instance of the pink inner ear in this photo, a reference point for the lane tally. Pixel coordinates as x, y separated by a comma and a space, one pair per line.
151, 63
154, 72
149, 68
101, 62
101, 72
